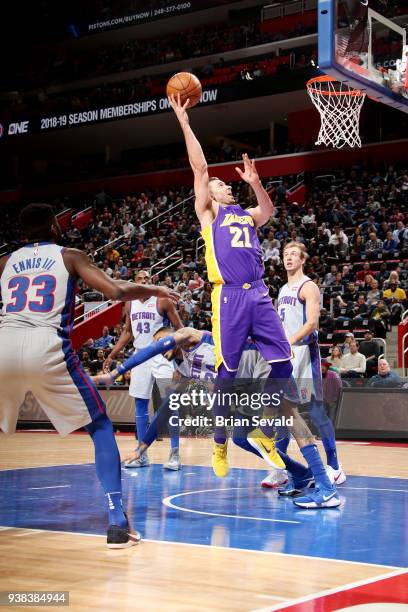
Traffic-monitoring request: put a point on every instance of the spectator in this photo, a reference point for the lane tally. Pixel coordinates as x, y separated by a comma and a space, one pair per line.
105, 341
361, 274
373, 246
395, 297
395, 292
349, 337
374, 294
371, 351
381, 315
196, 282
353, 364
122, 269
330, 278
385, 376
331, 388
326, 322
339, 242
336, 355
390, 244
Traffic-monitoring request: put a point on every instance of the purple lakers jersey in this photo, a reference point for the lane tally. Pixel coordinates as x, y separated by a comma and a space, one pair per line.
232, 251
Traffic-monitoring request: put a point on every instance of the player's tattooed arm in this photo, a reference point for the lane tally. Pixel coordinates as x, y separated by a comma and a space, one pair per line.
198, 163
265, 209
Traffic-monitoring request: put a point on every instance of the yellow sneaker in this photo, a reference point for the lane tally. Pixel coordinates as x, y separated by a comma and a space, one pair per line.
266, 447
220, 459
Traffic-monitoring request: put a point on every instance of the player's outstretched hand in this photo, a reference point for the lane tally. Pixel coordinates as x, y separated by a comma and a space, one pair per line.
250, 174
179, 108
103, 379
163, 292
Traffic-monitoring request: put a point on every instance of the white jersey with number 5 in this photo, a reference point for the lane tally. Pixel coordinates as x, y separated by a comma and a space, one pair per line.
36, 288
306, 362
145, 320
292, 310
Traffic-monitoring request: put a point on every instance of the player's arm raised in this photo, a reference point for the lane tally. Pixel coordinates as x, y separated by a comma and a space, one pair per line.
265, 209
198, 163
311, 295
80, 265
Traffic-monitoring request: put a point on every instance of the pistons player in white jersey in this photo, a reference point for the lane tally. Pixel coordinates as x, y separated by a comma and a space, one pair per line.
38, 285
298, 308
144, 318
193, 351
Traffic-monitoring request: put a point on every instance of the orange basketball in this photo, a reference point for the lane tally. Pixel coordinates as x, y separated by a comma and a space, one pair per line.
187, 85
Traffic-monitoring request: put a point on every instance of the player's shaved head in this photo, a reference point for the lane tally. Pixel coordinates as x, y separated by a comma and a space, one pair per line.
38, 221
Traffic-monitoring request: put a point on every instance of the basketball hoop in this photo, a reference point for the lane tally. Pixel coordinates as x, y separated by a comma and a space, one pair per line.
339, 106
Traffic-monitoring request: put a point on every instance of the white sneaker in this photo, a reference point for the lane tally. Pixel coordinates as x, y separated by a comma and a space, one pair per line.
143, 461
275, 479
174, 462
336, 477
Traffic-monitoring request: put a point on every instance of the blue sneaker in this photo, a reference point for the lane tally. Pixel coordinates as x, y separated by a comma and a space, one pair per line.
296, 486
319, 498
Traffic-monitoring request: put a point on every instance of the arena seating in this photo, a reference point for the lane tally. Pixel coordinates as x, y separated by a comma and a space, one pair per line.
127, 234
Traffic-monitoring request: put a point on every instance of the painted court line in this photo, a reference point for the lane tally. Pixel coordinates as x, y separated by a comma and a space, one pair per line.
51, 487
344, 587
226, 548
167, 501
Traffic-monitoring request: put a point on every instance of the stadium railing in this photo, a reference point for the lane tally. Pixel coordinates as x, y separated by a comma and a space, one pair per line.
176, 261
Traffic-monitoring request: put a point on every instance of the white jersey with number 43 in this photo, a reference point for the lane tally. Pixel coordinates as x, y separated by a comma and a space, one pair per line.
145, 320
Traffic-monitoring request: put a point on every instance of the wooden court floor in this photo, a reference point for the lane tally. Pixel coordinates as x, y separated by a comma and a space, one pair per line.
165, 575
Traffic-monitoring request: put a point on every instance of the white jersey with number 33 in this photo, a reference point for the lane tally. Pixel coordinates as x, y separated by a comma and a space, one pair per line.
37, 289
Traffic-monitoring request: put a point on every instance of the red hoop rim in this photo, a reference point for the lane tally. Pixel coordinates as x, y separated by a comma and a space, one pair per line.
328, 79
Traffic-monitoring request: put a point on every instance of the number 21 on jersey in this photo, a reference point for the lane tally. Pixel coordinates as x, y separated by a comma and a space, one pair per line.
240, 237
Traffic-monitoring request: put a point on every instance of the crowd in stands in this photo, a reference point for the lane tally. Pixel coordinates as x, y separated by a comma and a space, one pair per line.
129, 91
216, 38
354, 224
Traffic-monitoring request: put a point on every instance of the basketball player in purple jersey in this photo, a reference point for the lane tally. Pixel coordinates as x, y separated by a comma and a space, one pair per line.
38, 286
241, 305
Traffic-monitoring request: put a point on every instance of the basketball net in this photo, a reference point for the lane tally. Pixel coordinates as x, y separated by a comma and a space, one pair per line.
339, 107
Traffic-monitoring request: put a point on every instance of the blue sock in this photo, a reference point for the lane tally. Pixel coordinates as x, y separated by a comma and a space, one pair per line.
142, 417
314, 461
295, 469
144, 354
331, 452
107, 463
282, 439
320, 418
222, 385
160, 417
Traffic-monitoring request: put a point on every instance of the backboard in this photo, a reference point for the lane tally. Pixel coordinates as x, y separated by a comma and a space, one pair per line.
364, 44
